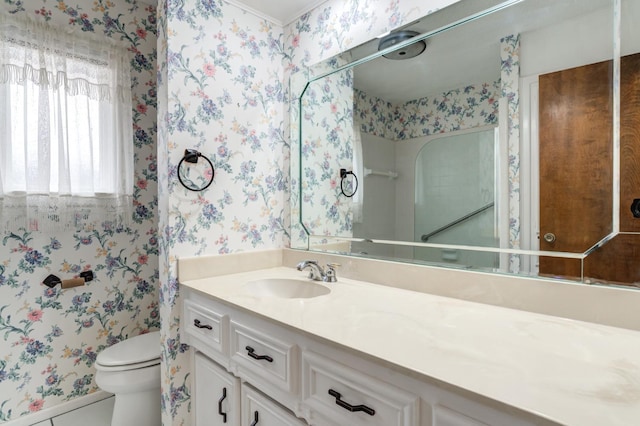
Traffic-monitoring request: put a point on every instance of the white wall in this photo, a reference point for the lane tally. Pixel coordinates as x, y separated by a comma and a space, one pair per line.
579, 41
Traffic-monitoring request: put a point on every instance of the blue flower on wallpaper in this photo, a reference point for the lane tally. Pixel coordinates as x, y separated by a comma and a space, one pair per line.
140, 62
142, 213
81, 386
245, 75
33, 350
55, 332
210, 213
208, 111
34, 257
209, 8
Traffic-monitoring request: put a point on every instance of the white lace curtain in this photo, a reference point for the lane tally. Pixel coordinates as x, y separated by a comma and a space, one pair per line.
66, 147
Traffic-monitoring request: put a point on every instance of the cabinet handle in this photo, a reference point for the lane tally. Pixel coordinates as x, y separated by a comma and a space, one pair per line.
250, 352
347, 406
197, 323
224, 415
255, 419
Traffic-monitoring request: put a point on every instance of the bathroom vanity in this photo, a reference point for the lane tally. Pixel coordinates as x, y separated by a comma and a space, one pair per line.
267, 350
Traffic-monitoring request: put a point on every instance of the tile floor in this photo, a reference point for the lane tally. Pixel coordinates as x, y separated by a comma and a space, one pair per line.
96, 414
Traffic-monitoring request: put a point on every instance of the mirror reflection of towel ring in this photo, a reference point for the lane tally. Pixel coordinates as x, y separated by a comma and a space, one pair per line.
191, 156
343, 175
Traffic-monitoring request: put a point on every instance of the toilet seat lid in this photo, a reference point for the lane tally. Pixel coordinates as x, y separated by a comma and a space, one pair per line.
135, 350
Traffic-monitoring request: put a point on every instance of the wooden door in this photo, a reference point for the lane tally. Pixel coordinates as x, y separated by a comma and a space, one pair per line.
575, 137
575, 119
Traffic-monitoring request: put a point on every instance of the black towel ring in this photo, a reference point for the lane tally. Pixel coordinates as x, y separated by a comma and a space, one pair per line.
191, 156
343, 175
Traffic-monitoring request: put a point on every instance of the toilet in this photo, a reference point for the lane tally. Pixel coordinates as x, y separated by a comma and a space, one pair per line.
131, 370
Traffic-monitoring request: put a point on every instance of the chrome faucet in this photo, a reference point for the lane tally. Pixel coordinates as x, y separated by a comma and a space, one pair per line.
316, 272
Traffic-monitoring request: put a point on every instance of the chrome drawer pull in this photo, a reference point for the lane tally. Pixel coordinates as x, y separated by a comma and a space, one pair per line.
250, 352
255, 419
224, 415
347, 406
197, 323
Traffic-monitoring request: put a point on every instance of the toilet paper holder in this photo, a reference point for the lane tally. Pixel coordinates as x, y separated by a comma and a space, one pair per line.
52, 280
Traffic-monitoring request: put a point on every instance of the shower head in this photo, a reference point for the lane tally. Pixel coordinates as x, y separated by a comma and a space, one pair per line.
406, 52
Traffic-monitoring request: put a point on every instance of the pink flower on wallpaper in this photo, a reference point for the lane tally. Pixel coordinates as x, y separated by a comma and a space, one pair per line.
296, 41
334, 108
142, 183
142, 33
143, 259
36, 405
208, 174
141, 108
209, 69
34, 315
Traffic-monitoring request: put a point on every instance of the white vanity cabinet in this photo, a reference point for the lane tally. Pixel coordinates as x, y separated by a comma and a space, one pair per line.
237, 364
278, 375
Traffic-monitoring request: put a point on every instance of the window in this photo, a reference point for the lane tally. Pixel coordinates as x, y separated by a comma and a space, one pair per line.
66, 148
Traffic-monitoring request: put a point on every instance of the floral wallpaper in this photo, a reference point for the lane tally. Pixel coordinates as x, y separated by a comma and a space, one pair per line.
50, 338
509, 90
461, 108
222, 92
374, 115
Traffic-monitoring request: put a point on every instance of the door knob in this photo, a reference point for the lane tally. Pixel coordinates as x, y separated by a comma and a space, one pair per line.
549, 237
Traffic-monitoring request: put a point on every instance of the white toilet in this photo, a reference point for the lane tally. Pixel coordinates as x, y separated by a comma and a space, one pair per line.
131, 370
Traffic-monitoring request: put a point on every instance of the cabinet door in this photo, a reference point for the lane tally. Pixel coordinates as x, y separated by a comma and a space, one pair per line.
216, 394
258, 410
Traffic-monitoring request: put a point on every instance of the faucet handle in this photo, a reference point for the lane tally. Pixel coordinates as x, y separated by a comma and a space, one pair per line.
330, 274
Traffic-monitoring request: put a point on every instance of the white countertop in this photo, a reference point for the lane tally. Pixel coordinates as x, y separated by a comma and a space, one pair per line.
568, 371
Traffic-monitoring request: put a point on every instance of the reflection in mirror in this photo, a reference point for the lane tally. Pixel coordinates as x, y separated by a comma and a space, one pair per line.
542, 73
454, 186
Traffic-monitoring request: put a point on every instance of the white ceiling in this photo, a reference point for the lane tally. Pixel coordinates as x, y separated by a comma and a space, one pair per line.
281, 12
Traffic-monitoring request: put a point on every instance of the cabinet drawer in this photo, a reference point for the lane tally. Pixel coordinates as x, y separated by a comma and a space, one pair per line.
259, 410
207, 328
336, 394
259, 355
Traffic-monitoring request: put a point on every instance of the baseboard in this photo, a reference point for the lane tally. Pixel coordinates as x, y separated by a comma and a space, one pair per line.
59, 409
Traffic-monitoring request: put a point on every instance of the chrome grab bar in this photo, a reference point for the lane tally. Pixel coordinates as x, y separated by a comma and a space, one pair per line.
425, 237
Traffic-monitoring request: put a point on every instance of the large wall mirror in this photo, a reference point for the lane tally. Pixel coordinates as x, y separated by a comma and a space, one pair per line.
492, 135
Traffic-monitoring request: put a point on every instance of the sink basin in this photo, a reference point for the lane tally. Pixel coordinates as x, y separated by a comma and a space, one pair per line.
286, 288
